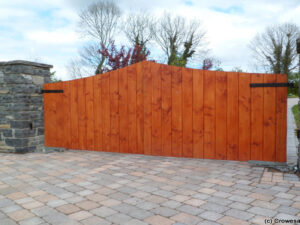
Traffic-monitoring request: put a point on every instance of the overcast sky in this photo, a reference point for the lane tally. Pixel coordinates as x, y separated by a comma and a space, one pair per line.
45, 30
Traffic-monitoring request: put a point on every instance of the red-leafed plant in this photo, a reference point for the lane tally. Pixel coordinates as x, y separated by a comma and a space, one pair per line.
119, 58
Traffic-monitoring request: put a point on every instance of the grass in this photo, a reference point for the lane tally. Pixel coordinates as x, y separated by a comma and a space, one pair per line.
292, 95
295, 110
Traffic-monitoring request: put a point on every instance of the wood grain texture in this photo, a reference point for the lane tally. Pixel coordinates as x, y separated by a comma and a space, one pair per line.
140, 107
123, 110
244, 117
66, 114
114, 111
221, 115
209, 114
187, 112
98, 112
232, 116
176, 111
198, 122
155, 109
74, 115
257, 116
166, 91
147, 108
281, 120
269, 143
105, 100
89, 106
132, 126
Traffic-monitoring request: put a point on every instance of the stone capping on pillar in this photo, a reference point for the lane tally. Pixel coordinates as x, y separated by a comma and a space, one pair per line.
21, 105
25, 63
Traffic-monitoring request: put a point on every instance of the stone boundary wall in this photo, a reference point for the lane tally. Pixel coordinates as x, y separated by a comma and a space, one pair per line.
21, 105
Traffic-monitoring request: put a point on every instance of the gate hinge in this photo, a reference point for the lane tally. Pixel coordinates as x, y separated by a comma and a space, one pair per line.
291, 85
52, 91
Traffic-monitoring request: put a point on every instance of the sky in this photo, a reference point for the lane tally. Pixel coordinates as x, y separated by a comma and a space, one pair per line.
46, 30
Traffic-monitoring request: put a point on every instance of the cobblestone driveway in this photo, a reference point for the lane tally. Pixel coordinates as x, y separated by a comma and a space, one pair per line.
81, 187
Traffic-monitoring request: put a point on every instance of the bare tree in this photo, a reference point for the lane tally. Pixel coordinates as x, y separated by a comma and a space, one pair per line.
275, 48
139, 28
99, 22
179, 39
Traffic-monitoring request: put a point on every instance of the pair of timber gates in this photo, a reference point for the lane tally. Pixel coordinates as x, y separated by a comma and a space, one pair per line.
155, 109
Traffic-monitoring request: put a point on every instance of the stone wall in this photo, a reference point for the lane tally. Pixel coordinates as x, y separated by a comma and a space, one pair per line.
21, 106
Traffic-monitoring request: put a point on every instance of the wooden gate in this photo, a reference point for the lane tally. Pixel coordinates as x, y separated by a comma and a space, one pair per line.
155, 109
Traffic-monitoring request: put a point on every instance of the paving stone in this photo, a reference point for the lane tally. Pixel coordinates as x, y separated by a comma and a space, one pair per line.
118, 218
147, 205
57, 218
220, 201
155, 220
31, 221
210, 215
103, 211
239, 214
135, 222
185, 218
20, 215
68, 208
94, 220
227, 220
81, 215
87, 205
261, 211
288, 210
7, 221
164, 211
190, 209
172, 204
241, 199
264, 204
140, 214
214, 207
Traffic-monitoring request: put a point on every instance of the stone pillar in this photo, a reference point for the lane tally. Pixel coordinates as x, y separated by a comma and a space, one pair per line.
21, 106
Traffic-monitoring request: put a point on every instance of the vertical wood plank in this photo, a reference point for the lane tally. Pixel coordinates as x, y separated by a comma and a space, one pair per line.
59, 131
105, 99
281, 119
140, 108
132, 128
48, 117
269, 148
81, 114
176, 111
114, 111
209, 114
89, 99
232, 116
147, 108
156, 109
67, 114
74, 115
166, 91
221, 115
198, 123
123, 110
187, 112
244, 117
257, 115
98, 113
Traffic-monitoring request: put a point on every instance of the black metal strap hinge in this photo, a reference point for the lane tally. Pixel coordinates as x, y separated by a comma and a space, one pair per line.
298, 133
254, 85
52, 91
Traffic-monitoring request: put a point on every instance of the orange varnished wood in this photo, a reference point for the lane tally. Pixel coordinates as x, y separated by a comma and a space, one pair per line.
257, 116
244, 116
221, 115
187, 112
156, 109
